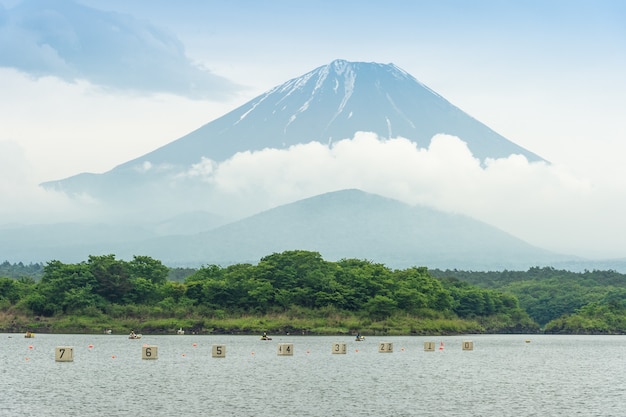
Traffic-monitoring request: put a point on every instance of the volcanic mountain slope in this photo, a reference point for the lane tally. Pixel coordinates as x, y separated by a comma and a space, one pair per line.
328, 104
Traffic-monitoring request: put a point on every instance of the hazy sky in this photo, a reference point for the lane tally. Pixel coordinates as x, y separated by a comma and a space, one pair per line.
90, 84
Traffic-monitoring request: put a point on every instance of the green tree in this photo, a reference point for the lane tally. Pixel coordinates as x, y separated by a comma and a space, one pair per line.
173, 290
59, 284
416, 289
112, 277
362, 280
380, 307
142, 291
147, 268
13, 290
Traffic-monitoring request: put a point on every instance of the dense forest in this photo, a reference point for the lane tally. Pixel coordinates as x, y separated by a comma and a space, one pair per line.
293, 291
589, 302
298, 291
19, 270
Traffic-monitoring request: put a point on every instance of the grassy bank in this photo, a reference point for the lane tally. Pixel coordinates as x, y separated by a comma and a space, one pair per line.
278, 323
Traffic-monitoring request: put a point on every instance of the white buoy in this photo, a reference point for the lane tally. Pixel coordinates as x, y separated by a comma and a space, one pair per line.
339, 348
468, 345
385, 347
64, 354
149, 352
429, 346
285, 349
218, 351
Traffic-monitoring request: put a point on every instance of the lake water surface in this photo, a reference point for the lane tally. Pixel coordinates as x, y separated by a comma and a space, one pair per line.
502, 376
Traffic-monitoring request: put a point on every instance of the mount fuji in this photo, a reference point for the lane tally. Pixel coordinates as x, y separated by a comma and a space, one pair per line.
152, 205
326, 105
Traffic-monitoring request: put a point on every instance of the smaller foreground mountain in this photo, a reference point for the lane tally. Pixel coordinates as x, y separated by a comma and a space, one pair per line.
354, 224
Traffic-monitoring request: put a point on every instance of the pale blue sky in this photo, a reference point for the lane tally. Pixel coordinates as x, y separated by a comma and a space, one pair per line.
92, 84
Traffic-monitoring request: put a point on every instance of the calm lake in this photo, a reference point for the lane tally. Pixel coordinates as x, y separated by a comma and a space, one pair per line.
504, 375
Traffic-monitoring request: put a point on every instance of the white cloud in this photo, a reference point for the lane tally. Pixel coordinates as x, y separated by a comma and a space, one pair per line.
66, 128
22, 201
72, 41
543, 204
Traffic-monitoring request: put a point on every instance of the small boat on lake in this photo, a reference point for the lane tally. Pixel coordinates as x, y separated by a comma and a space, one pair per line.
28, 335
180, 331
135, 336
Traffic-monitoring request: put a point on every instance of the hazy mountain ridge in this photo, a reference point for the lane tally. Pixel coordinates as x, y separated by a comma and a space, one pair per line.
355, 224
74, 242
342, 224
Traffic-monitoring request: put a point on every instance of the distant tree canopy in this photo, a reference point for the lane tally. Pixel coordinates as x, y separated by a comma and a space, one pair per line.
20, 270
549, 294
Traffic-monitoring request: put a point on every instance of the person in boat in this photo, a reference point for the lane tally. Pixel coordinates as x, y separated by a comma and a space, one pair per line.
132, 334
358, 336
264, 337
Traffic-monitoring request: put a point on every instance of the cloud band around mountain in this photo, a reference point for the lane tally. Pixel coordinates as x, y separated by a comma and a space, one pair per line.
538, 202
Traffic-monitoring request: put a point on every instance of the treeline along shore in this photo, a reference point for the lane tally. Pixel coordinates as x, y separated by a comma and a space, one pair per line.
301, 293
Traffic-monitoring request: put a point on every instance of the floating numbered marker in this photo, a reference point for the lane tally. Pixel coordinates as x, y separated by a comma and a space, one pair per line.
149, 352
285, 349
339, 348
385, 347
429, 346
218, 351
468, 345
64, 354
